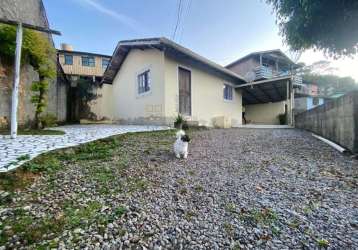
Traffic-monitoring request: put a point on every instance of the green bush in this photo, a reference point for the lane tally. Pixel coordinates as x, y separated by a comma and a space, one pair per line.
282, 118
48, 120
179, 120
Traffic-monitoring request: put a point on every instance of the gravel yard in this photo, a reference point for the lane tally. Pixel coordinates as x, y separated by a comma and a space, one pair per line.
238, 189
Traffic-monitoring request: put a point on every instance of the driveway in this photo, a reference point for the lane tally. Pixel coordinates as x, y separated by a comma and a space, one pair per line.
238, 189
33, 145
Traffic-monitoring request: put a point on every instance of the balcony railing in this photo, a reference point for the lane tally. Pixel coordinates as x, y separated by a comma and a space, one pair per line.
263, 72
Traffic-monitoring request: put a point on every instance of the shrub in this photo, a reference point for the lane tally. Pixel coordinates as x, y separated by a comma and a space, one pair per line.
178, 123
282, 118
48, 120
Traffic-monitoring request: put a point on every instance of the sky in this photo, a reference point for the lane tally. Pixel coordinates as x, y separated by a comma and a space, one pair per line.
220, 30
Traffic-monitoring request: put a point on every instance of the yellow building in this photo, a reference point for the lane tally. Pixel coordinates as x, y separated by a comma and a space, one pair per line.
76, 65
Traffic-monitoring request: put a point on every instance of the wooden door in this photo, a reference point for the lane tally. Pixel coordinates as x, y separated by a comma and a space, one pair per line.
184, 91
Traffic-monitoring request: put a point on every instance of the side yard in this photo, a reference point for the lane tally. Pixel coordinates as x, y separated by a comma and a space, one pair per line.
239, 188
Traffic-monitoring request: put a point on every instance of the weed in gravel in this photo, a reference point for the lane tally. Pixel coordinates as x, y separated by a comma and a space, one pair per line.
323, 243
181, 181
183, 191
120, 211
236, 246
229, 229
43, 163
295, 223
230, 207
189, 215
137, 184
30, 230
76, 216
264, 216
199, 188
191, 173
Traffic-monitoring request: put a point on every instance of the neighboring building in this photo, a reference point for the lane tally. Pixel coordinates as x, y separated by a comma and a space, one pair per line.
307, 96
151, 81
77, 63
31, 12
269, 91
81, 65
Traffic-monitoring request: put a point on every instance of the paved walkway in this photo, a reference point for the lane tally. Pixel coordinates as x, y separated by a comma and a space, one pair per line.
33, 145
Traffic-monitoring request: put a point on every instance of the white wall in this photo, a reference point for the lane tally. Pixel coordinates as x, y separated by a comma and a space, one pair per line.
266, 113
207, 96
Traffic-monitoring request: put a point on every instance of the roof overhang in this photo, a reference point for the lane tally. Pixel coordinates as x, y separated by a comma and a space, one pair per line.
275, 54
265, 91
171, 49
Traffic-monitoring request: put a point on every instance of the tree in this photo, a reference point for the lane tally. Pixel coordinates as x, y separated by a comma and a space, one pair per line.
330, 26
321, 74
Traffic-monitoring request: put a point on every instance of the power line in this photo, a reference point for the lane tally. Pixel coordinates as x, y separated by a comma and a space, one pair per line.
185, 16
178, 19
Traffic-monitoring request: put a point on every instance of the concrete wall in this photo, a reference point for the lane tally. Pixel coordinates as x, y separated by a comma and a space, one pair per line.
266, 113
336, 120
102, 106
206, 96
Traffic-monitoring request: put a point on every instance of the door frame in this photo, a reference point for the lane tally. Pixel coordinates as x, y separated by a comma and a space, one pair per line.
191, 90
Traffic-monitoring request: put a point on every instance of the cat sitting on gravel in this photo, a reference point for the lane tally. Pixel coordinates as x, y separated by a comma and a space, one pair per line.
181, 144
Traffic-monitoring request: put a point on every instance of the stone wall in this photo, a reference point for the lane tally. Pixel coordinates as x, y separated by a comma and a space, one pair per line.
336, 120
33, 12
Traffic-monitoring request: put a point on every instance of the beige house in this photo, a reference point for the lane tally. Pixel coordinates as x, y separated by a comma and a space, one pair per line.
151, 81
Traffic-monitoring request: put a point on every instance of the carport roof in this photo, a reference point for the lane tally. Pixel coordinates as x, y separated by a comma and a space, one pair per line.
271, 90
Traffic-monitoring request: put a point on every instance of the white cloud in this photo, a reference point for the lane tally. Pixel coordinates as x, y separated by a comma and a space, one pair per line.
128, 21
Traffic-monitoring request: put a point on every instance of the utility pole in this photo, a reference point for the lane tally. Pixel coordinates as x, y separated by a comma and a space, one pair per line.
15, 89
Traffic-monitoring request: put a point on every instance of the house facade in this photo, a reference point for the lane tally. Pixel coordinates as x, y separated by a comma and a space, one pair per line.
76, 65
151, 81
269, 91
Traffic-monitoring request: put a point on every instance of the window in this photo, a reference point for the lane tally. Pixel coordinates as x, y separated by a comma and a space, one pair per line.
228, 92
105, 63
68, 59
88, 61
143, 82
315, 101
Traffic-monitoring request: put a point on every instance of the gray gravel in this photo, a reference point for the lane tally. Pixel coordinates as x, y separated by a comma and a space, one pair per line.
239, 188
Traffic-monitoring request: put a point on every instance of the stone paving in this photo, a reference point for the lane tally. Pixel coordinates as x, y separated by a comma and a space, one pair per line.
13, 152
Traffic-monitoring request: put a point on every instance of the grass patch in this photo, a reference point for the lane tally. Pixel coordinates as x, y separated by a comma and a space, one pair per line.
230, 207
199, 188
34, 132
116, 164
229, 229
264, 216
323, 243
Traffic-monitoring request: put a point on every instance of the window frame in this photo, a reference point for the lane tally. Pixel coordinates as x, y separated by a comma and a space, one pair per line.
148, 88
89, 61
228, 86
105, 59
67, 56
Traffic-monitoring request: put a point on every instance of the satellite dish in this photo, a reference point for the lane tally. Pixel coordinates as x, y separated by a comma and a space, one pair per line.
250, 76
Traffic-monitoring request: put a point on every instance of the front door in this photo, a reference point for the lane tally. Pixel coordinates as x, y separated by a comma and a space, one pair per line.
184, 92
